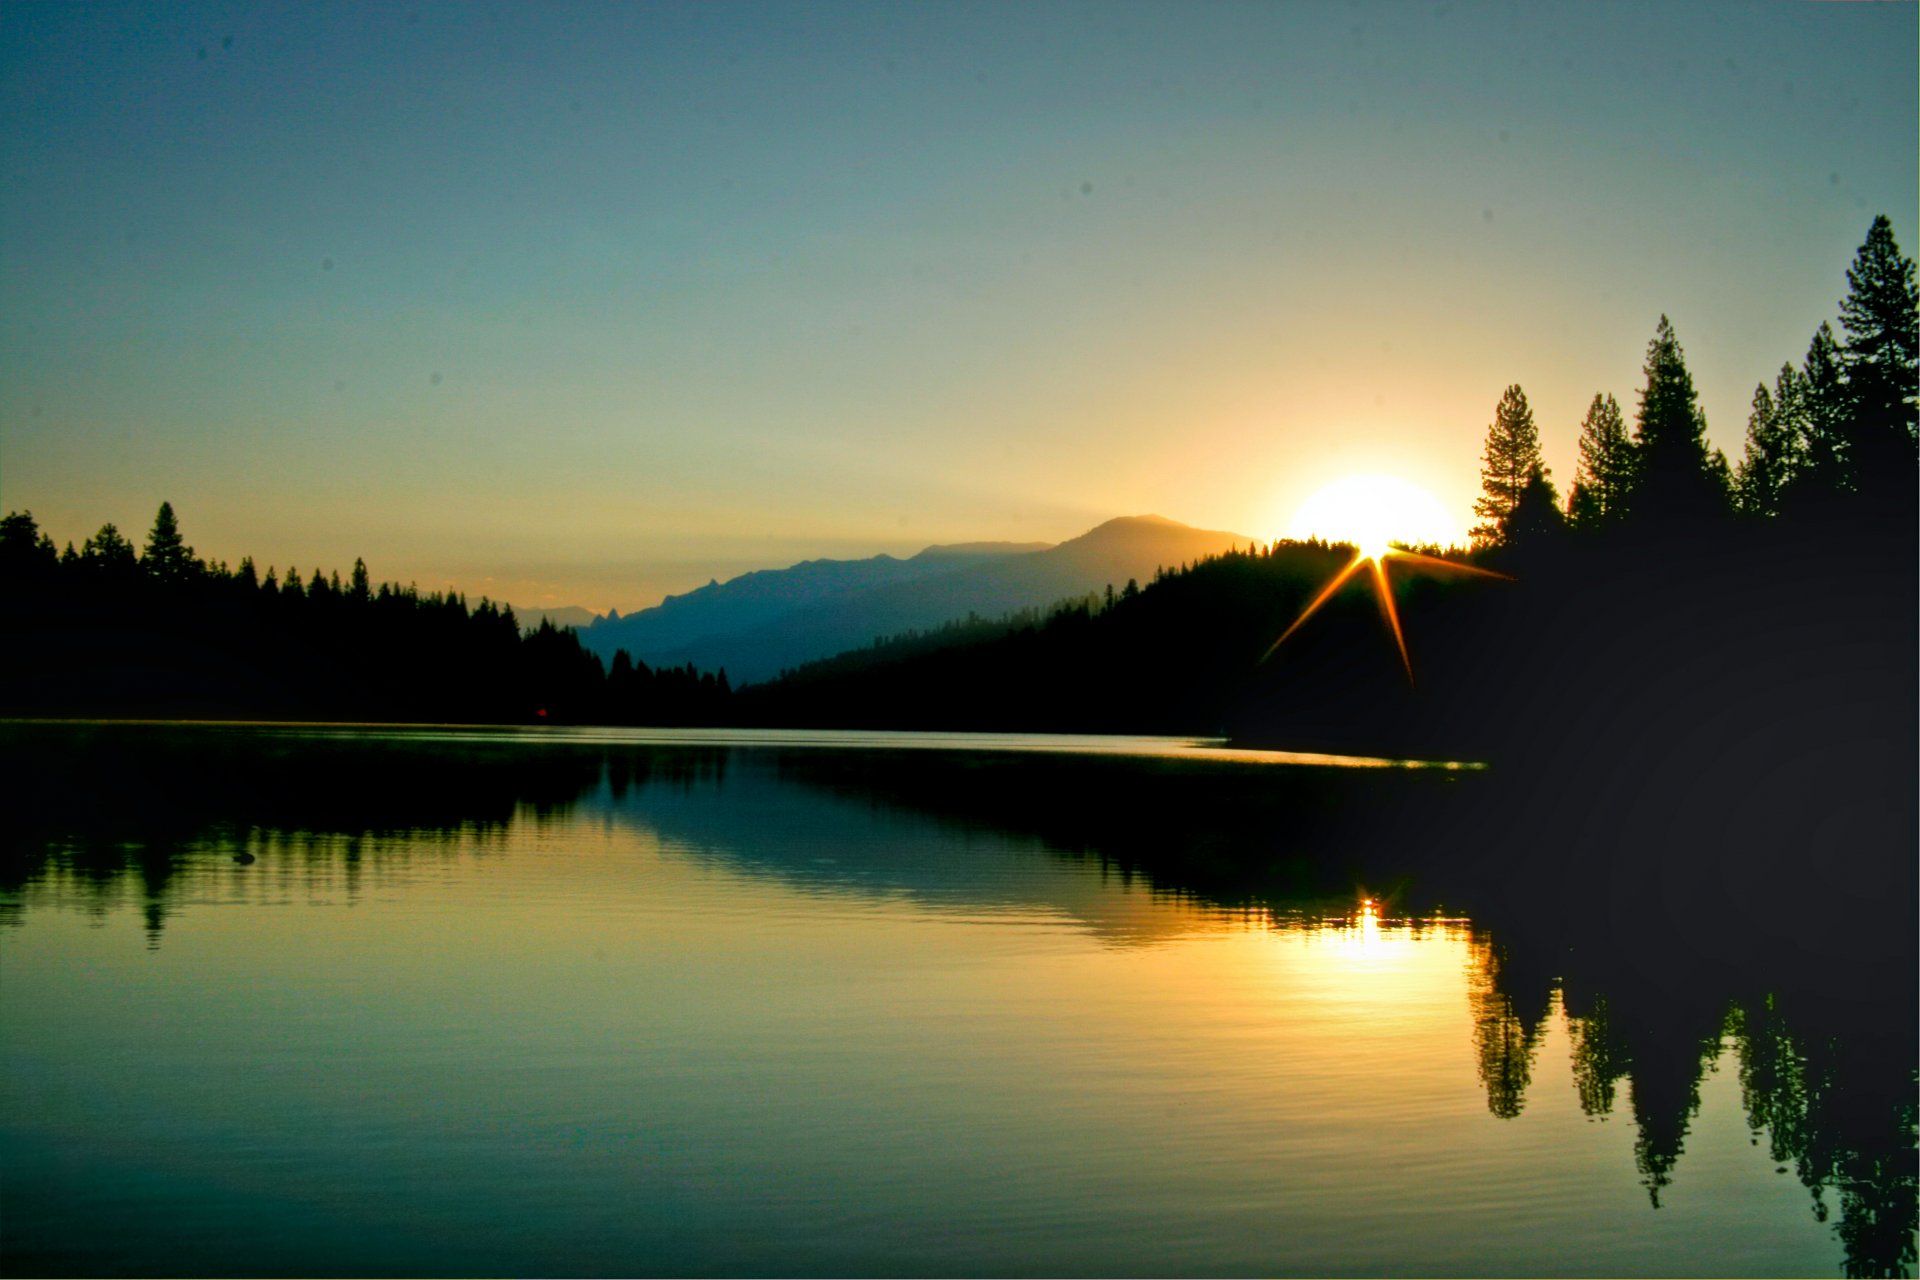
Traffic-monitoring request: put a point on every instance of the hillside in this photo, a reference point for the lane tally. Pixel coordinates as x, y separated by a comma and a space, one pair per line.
765, 596
1121, 549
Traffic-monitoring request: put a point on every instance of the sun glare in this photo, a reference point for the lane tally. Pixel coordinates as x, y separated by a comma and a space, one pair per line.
1372, 512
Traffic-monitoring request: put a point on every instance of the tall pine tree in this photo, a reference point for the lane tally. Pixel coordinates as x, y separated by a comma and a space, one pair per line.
1878, 362
167, 558
1822, 472
1605, 473
1767, 464
1675, 479
1511, 459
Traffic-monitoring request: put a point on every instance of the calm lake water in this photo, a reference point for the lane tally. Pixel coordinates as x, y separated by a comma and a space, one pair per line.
414, 1002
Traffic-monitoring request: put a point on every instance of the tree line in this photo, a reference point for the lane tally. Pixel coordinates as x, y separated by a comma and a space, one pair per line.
1665, 569
109, 629
1832, 438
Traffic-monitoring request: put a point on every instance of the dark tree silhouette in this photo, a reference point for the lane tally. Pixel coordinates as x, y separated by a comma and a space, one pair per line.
24, 550
1880, 365
1676, 480
1822, 478
168, 559
109, 552
105, 632
1771, 455
1535, 523
1512, 456
1605, 473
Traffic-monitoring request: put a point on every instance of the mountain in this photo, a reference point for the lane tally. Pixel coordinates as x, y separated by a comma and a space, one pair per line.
777, 619
765, 596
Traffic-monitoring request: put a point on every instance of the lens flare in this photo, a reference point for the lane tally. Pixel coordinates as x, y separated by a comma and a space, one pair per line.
1383, 592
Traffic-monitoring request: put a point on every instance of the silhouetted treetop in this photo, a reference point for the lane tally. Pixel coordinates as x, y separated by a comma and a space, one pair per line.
1880, 365
1879, 317
1605, 474
1768, 461
1511, 458
1675, 476
109, 551
1822, 473
168, 558
23, 548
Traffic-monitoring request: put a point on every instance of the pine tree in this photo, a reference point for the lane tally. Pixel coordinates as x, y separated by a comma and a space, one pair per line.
1766, 466
1879, 363
1512, 456
167, 558
1789, 418
1674, 479
1823, 472
109, 550
26, 554
1720, 477
1606, 464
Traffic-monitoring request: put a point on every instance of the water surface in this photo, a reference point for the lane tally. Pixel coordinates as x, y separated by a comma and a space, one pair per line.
389, 1002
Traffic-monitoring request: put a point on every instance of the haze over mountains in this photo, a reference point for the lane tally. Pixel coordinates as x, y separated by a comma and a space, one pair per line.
764, 622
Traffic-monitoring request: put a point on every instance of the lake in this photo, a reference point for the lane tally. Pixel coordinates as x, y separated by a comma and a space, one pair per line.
416, 1001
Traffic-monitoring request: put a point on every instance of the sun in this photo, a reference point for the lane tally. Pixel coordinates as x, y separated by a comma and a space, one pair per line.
1372, 512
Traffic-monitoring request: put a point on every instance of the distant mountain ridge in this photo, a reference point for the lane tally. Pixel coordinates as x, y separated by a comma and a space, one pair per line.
765, 595
761, 623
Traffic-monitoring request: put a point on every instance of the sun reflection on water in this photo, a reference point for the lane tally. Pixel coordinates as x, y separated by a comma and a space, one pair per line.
1366, 935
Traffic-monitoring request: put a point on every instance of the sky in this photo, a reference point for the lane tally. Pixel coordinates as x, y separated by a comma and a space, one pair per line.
585, 304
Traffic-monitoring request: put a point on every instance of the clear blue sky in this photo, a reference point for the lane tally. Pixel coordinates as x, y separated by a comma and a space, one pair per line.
582, 304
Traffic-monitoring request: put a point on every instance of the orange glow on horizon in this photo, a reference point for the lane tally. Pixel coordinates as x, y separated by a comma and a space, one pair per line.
1371, 511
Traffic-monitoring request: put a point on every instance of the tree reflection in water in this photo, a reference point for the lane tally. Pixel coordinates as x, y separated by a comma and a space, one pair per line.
1821, 1033
1812, 994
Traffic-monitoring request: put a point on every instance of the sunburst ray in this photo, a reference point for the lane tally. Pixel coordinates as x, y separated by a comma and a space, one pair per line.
1383, 590
1353, 567
1383, 593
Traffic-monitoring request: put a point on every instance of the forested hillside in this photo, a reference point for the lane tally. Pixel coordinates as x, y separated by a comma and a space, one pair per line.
1717, 623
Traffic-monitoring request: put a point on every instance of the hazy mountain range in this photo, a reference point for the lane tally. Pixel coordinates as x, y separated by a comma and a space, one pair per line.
761, 623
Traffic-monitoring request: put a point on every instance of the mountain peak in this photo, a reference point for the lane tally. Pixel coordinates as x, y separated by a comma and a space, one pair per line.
1170, 535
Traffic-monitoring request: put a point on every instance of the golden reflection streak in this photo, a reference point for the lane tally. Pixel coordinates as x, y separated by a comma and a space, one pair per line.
1383, 590
1369, 921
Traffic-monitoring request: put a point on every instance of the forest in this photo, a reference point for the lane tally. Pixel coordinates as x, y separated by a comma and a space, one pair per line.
1693, 680
106, 630
1672, 597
